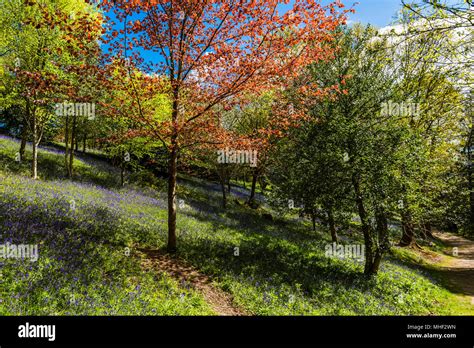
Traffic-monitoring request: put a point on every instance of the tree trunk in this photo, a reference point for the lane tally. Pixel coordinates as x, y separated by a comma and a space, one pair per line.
382, 230
428, 229
263, 184
254, 185
84, 140
313, 220
172, 172
408, 236
66, 146
122, 170
421, 230
383, 243
172, 175
366, 230
34, 144
224, 195
332, 224
73, 143
374, 269
24, 139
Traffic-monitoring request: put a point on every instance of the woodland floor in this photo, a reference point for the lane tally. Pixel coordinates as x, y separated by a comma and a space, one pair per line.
220, 301
459, 270
282, 268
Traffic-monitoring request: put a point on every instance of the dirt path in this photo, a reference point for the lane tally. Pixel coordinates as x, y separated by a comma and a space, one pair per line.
460, 269
219, 300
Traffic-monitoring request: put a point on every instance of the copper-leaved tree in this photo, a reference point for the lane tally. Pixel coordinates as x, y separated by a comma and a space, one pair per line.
210, 52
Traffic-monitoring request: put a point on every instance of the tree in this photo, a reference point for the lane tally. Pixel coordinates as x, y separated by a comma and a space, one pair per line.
125, 147
43, 39
255, 121
433, 87
343, 157
453, 20
444, 16
210, 52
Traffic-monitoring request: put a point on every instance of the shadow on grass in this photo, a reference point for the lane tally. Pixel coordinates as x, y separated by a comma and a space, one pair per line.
267, 248
261, 258
247, 220
78, 253
456, 280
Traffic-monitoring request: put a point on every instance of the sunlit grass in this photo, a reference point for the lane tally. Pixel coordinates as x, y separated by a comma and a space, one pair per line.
270, 267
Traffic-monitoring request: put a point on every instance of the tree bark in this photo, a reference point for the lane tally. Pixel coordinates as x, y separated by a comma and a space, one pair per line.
34, 144
408, 236
313, 220
73, 143
383, 244
254, 185
427, 230
223, 188
122, 169
24, 139
332, 224
374, 269
422, 233
382, 230
66, 146
172, 175
84, 141
172, 199
263, 184
366, 229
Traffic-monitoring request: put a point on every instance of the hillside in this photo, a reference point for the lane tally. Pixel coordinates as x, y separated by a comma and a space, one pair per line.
101, 252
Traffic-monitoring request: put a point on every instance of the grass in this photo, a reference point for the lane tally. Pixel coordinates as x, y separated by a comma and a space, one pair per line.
431, 262
84, 266
279, 267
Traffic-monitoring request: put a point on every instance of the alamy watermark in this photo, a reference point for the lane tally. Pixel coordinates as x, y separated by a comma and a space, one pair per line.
348, 251
37, 331
400, 109
237, 156
75, 109
19, 251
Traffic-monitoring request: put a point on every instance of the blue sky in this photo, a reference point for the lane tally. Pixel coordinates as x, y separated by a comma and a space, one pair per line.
375, 12
378, 13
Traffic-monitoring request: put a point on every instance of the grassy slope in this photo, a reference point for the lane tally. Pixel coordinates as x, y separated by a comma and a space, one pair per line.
83, 268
